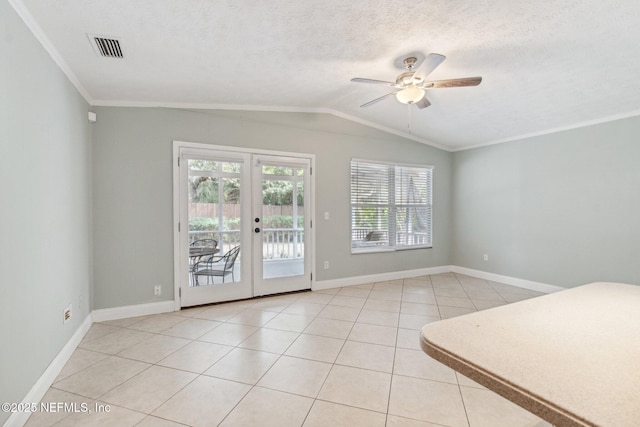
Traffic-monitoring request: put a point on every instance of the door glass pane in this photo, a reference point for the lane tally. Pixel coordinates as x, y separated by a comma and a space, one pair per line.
214, 222
282, 221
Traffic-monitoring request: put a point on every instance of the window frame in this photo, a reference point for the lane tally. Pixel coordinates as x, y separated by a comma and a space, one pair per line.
392, 207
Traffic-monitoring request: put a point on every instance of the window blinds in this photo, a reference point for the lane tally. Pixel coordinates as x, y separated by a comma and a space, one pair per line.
390, 206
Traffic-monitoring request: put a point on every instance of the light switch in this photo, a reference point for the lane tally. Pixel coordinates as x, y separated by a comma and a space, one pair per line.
326, 215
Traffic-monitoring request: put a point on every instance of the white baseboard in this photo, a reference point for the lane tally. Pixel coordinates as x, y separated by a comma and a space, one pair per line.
380, 277
513, 281
507, 280
115, 313
41, 386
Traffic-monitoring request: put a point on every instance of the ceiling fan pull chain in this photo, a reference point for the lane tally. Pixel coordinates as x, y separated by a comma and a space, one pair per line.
409, 118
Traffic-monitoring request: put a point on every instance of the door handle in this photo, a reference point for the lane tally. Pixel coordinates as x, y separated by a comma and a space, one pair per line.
257, 230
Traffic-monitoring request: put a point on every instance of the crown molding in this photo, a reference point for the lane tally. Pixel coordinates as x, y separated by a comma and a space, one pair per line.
572, 126
268, 108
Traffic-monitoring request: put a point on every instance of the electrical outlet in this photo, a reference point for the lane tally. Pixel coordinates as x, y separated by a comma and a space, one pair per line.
486, 257
157, 290
66, 314
326, 265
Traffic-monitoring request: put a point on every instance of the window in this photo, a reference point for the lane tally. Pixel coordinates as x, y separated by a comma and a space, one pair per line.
390, 206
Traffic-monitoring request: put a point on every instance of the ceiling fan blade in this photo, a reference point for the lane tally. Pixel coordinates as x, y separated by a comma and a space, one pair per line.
370, 103
377, 82
429, 64
466, 81
423, 103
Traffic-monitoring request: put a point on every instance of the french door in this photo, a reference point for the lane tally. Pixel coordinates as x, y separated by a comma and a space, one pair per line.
243, 227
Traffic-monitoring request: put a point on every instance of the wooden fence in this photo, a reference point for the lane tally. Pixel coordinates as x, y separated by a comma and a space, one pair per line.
210, 210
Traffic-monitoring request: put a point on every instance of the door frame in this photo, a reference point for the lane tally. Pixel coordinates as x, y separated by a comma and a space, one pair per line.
177, 146
283, 283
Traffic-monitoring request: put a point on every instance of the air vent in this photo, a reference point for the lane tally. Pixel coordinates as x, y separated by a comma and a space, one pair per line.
108, 47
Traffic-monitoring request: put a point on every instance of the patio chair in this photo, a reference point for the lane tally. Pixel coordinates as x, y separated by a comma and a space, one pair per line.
216, 266
198, 249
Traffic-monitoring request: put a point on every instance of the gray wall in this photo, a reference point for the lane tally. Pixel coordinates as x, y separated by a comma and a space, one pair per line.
45, 215
132, 164
562, 209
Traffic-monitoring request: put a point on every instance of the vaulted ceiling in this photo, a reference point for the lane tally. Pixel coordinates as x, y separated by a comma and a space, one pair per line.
546, 66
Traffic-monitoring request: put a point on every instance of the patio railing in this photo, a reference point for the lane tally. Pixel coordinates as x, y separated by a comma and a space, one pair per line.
278, 243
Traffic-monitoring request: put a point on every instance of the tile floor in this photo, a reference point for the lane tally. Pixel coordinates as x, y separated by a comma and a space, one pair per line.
338, 357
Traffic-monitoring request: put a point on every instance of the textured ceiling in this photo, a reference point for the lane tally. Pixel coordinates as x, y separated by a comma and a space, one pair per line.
546, 65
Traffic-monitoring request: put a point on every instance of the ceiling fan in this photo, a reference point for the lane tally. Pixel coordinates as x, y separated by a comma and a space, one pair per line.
410, 86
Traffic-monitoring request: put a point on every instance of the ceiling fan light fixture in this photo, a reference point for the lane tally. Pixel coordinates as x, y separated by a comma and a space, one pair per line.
410, 95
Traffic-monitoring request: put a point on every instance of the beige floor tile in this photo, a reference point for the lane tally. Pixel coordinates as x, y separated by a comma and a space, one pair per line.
387, 295
151, 421
54, 396
395, 421
451, 292
149, 389
114, 416
154, 349
99, 330
366, 356
157, 323
367, 286
125, 322
189, 311
454, 302
418, 281
314, 347
389, 284
427, 400
116, 342
487, 409
415, 321
270, 340
289, 322
79, 360
343, 301
377, 317
374, 334
96, 380
482, 294
252, 317
382, 305
329, 328
420, 298
297, 376
467, 382
419, 309
486, 304
325, 414
243, 365
228, 334
357, 387
415, 363
315, 298
340, 313
191, 328
304, 308
220, 313
204, 402
271, 304
515, 297
331, 291
354, 292
409, 338
417, 290
197, 356
449, 312
269, 408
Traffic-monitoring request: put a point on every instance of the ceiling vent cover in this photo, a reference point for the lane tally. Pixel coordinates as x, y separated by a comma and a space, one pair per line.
108, 47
